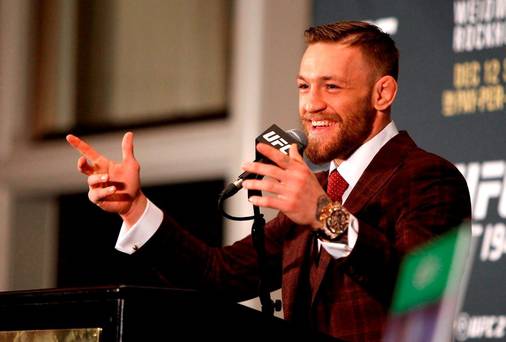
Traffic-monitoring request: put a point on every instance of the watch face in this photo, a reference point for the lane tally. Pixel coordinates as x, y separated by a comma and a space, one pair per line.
335, 219
337, 222
333, 222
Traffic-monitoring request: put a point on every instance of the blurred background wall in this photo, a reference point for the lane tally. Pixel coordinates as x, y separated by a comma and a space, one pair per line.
195, 80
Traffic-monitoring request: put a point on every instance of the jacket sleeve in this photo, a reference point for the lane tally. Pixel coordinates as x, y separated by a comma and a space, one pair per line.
181, 260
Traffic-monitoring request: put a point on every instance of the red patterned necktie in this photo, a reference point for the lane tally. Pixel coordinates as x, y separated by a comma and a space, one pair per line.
336, 186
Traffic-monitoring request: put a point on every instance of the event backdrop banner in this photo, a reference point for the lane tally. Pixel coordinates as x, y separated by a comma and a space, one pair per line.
452, 102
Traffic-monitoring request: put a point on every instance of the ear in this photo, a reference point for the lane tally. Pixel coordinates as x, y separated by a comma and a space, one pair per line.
384, 93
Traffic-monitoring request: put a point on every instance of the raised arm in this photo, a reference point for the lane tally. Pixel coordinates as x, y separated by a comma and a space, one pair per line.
113, 186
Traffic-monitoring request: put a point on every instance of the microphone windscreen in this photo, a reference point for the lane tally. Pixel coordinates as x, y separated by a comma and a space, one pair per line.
301, 138
298, 135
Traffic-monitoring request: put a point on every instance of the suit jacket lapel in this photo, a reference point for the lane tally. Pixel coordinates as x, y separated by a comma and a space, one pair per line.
323, 258
379, 171
317, 271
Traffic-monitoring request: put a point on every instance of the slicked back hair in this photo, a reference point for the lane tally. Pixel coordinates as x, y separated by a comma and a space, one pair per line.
376, 45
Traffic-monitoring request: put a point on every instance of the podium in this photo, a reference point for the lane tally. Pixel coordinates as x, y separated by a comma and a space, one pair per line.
133, 313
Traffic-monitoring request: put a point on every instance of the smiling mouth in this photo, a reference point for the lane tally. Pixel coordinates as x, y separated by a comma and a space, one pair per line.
322, 123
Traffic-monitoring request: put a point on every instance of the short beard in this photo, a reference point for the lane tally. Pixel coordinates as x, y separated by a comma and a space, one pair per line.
352, 133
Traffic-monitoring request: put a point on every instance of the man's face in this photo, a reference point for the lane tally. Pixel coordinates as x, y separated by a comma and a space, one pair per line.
335, 100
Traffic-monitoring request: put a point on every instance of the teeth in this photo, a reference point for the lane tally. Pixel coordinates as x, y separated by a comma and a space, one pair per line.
320, 123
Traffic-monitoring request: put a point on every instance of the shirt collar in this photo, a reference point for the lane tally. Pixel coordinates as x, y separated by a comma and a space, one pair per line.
352, 168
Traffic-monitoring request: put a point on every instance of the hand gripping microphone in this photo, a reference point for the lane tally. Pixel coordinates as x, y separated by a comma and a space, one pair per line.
279, 139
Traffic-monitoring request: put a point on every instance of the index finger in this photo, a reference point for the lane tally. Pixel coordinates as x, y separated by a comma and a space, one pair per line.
274, 155
83, 147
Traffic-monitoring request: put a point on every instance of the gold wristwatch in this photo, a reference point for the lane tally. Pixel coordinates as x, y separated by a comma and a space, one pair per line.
335, 219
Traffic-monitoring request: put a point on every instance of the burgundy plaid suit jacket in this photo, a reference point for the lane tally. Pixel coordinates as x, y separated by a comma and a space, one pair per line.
405, 197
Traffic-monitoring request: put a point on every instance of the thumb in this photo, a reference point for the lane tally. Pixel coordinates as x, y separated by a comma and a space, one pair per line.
294, 153
127, 146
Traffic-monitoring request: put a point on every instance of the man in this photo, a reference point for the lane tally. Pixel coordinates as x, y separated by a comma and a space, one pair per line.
334, 253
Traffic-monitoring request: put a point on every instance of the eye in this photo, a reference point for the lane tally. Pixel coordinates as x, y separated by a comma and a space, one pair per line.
302, 86
332, 86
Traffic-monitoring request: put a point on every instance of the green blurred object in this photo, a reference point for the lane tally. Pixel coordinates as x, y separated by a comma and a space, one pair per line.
428, 272
430, 287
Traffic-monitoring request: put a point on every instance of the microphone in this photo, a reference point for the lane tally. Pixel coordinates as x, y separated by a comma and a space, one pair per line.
279, 139
300, 136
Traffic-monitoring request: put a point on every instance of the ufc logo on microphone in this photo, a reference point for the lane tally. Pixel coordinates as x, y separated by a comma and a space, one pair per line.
275, 140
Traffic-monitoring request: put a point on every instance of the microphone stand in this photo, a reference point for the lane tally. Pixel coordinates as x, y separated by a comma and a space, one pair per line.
257, 234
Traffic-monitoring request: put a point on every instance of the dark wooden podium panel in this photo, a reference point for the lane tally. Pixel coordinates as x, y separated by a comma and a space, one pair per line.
126, 313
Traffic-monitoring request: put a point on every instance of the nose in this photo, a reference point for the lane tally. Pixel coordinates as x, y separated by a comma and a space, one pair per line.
314, 103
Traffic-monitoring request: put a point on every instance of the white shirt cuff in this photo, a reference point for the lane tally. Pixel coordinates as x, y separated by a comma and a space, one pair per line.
130, 240
339, 250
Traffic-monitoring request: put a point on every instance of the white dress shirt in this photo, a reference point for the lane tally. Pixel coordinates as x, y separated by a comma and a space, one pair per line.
129, 240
